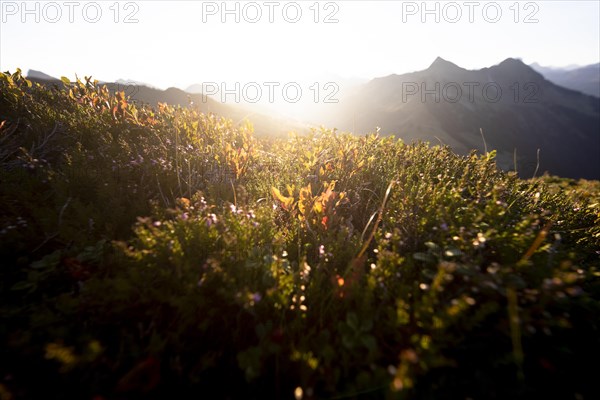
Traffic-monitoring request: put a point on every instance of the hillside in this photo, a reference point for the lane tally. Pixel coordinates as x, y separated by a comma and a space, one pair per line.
583, 79
161, 252
518, 111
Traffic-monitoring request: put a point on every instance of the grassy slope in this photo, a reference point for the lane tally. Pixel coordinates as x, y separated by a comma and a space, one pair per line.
163, 252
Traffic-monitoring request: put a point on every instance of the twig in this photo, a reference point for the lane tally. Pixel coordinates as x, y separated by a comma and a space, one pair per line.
537, 165
160, 191
379, 217
484, 143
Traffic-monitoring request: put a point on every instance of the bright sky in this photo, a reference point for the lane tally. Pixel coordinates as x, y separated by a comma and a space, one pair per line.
170, 43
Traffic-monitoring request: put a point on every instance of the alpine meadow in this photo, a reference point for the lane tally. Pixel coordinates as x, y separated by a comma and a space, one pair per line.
161, 252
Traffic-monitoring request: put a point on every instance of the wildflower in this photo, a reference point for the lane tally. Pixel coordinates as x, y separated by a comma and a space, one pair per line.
202, 203
157, 223
211, 220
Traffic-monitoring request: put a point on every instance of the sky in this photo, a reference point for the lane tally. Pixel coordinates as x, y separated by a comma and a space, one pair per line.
171, 43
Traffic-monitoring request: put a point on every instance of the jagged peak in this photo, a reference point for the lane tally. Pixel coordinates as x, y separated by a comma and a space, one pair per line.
440, 64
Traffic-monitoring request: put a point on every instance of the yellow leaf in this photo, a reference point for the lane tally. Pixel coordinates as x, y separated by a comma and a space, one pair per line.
290, 189
287, 202
318, 207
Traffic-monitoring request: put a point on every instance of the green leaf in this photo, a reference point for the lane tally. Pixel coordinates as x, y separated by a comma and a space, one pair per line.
348, 342
352, 321
23, 285
367, 325
432, 246
369, 342
49, 261
65, 80
452, 252
427, 258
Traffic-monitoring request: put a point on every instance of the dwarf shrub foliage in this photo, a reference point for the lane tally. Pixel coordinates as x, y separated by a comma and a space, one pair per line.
165, 253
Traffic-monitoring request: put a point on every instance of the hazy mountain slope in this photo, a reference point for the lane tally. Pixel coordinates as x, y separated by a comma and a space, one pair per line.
583, 79
264, 125
514, 106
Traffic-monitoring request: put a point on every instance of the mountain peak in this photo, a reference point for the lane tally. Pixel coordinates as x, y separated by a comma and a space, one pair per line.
513, 62
516, 68
439, 64
33, 74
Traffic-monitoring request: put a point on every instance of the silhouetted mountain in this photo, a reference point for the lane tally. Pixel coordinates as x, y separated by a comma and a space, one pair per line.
583, 79
517, 109
264, 125
442, 66
32, 74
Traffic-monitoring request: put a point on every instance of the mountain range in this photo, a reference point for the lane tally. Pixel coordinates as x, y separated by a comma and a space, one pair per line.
509, 107
583, 79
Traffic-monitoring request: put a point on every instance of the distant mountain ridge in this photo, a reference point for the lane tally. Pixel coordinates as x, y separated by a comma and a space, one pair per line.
583, 79
517, 109
264, 125
39, 75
